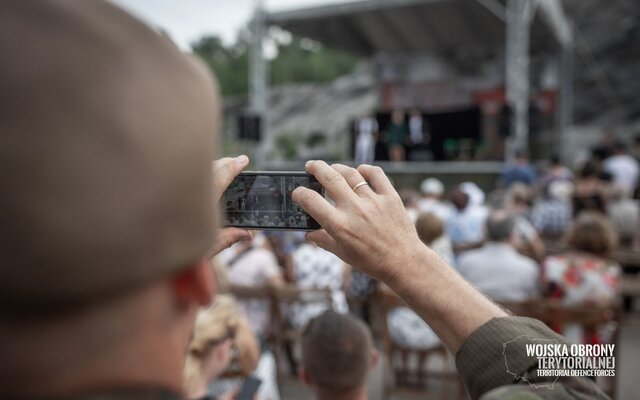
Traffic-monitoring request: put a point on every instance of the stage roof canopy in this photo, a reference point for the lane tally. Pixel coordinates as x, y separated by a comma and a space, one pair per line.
368, 27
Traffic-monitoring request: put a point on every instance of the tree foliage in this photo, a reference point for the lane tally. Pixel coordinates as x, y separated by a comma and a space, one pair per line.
298, 60
230, 63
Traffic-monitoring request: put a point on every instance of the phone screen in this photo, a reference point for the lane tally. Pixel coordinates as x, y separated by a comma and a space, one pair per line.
262, 200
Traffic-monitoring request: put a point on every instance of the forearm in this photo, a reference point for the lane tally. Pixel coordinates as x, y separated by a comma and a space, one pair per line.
450, 305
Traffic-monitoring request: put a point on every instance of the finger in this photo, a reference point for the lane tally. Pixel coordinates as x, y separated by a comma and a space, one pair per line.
353, 178
376, 177
224, 170
315, 205
331, 180
227, 237
323, 239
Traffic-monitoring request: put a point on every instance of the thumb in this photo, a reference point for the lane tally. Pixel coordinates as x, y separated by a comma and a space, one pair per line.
224, 170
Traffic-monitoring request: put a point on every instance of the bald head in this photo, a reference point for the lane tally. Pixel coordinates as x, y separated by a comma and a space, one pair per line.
106, 139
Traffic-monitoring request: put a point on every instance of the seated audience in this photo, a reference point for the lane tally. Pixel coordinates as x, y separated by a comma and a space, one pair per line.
464, 227
497, 269
431, 201
316, 268
253, 265
218, 330
337, 355
552, 216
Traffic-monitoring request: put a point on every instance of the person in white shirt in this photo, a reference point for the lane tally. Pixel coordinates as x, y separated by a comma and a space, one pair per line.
623, 168
497, 269
366, 136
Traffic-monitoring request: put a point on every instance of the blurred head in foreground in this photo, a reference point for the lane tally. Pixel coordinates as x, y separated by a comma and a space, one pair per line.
107, 133
337, 354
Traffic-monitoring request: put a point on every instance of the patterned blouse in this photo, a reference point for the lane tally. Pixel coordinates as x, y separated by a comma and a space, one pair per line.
582, 278
578, 279
315, 268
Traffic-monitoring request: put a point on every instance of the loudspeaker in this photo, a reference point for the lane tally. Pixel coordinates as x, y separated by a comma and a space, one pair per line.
250, 127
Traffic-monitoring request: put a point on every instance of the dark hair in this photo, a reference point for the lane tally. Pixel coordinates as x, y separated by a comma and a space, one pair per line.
336, 352
459, 199
555, 159
499, 226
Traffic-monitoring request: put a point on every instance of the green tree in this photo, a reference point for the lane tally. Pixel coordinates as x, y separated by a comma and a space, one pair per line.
230, 63
300, 60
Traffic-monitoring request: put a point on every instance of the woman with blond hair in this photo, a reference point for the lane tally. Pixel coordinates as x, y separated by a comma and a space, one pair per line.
219, 331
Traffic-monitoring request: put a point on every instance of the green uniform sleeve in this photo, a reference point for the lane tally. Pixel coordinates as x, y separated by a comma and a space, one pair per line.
494, 365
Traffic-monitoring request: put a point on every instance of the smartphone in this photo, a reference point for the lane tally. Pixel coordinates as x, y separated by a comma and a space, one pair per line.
262, 200
249, 388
